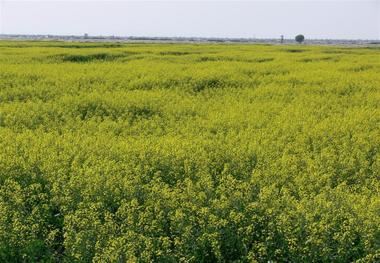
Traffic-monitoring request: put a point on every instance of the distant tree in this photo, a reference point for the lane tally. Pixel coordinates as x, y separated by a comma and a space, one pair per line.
300, 38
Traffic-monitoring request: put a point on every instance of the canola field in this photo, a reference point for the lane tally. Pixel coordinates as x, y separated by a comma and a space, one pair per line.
138, 152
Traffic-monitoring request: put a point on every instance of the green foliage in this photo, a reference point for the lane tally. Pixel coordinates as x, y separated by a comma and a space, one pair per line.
188, 153
300, 38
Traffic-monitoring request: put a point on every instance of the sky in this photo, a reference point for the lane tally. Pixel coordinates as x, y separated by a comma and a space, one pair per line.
316, 19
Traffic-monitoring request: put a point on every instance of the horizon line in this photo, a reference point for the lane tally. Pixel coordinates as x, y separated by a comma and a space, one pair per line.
88, 36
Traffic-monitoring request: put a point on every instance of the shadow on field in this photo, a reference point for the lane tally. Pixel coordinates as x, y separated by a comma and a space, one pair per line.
295, 50
233, 59
326, 59
86, 58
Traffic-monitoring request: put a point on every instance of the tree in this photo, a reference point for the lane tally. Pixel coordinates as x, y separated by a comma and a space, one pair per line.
300, 38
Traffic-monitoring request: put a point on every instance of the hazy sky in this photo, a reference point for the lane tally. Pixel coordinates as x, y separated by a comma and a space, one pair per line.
314, 18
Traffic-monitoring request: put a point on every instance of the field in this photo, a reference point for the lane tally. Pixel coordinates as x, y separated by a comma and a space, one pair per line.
189, 153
